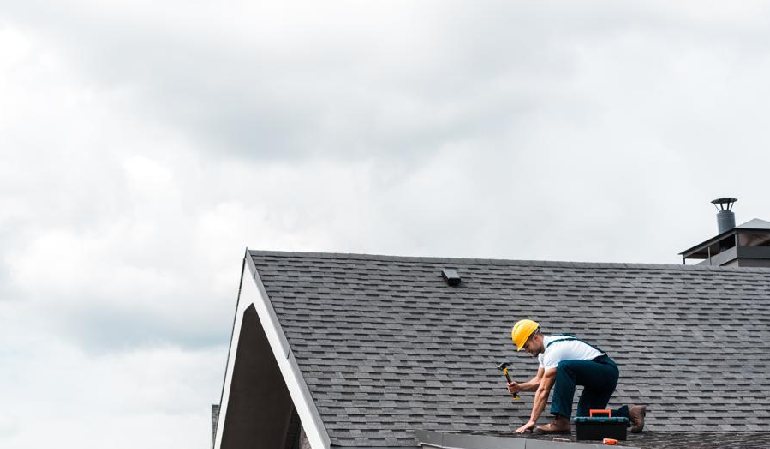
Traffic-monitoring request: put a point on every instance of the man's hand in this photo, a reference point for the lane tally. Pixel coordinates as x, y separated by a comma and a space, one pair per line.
528, 427
514, 387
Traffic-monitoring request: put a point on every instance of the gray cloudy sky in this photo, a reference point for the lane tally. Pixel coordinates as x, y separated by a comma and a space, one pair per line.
143, 146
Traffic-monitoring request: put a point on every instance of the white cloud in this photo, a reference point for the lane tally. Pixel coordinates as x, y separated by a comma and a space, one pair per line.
120, 400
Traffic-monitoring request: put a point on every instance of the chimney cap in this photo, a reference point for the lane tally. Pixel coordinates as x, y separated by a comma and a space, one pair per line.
724, 203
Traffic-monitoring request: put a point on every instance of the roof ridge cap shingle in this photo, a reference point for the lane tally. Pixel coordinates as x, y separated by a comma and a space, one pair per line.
498, 261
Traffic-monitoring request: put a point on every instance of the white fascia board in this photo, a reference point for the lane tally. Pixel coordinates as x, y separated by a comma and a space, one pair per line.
253, 292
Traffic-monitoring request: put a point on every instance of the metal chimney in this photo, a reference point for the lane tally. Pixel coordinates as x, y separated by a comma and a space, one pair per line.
725, 216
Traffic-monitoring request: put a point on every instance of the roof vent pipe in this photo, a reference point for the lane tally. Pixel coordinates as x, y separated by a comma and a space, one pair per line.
725, 216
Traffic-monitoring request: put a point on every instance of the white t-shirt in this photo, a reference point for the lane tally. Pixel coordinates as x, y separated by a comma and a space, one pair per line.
565, 350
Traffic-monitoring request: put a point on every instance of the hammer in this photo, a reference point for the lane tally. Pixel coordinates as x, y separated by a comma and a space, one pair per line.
504, 368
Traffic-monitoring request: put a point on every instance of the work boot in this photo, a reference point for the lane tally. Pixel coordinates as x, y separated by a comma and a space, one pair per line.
558, 425
636, 414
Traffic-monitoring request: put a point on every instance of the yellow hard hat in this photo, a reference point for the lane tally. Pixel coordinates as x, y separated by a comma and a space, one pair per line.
521, 332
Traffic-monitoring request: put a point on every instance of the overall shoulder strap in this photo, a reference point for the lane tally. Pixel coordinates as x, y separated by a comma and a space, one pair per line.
565, 338
570, 337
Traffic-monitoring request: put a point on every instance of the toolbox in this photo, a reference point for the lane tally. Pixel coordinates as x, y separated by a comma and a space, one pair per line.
599, 425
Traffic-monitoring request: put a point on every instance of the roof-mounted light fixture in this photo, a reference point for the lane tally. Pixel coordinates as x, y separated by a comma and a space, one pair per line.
451, 277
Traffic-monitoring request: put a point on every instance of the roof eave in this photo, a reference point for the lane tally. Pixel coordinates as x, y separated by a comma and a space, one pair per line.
737, 230
693, 249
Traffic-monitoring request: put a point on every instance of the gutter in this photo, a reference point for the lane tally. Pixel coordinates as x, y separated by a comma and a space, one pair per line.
446, 440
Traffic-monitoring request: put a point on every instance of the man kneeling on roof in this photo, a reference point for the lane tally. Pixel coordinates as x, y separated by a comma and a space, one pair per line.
566, 361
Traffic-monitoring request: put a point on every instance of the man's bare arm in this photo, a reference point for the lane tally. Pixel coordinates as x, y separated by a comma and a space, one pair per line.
542, 393
545, 380
530, 385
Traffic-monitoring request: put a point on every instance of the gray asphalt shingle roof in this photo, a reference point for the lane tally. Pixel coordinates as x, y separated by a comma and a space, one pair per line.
755, 223
387, 347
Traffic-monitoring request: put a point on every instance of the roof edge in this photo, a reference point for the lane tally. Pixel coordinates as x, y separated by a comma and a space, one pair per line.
736, 230
449, 440
224, 397
252, 292
374, 447
316, 432
492, 261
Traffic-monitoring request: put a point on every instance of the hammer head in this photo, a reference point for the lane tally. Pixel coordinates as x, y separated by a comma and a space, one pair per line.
503, 365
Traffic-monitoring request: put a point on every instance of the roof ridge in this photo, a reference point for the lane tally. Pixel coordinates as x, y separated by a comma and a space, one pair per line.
498, 261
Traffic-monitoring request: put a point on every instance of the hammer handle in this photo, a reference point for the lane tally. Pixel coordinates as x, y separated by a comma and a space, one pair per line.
508, 378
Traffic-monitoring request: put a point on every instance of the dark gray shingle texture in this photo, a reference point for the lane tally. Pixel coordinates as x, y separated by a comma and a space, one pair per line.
386, 346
